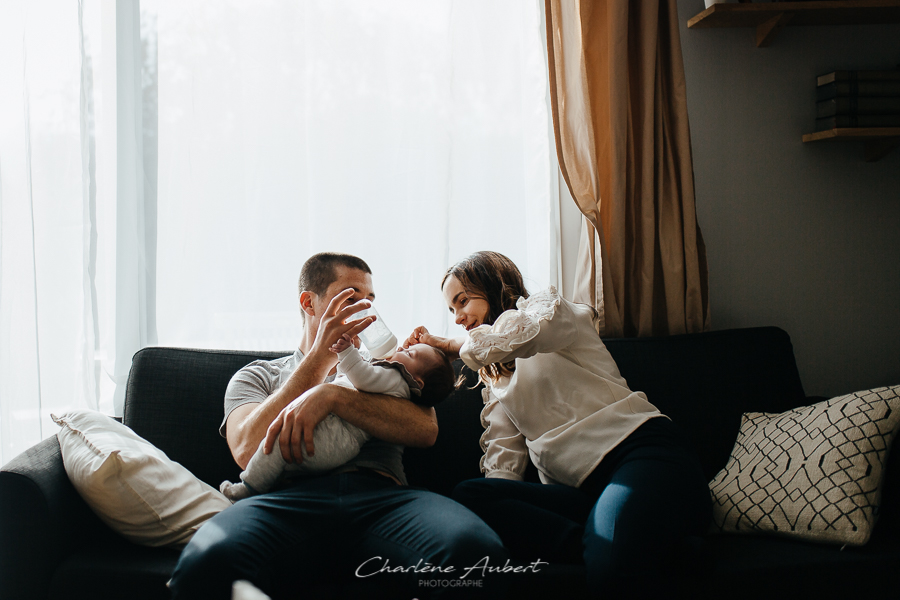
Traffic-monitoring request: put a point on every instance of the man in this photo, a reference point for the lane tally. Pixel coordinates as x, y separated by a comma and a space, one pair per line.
321, 529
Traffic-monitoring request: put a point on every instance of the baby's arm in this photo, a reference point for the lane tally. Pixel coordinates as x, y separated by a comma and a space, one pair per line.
369, 378
344, 342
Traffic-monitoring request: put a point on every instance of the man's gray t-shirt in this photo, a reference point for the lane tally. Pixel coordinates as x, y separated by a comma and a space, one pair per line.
260, 379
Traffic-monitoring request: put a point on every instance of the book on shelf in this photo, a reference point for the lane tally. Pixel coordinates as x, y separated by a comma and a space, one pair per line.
858, 105
887, 75
841, 89
842, 121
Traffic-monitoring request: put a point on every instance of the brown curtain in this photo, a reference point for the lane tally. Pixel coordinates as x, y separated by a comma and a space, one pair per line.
620, 117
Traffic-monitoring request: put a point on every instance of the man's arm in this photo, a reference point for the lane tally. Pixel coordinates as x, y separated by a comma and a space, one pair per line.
388, 418
247, 424
394, 420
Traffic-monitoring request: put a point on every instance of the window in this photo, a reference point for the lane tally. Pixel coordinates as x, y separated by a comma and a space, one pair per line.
164, 175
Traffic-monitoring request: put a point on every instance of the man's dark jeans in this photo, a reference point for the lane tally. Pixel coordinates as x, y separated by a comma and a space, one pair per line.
350, 527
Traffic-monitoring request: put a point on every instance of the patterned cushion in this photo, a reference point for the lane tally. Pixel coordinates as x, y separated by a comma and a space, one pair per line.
814, 472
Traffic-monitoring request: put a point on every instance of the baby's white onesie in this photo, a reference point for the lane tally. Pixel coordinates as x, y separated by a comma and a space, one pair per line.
336, 440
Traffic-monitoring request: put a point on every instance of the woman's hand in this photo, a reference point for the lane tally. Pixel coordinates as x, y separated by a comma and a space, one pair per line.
449, 346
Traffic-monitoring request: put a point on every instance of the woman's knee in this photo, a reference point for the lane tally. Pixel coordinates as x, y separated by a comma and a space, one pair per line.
638, 524
473, 493
470, 488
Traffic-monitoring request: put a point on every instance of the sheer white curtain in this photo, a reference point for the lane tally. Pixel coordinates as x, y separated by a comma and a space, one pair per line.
48, 227
408, 133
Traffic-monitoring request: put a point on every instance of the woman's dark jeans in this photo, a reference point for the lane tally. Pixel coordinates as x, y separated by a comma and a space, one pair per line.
628, 520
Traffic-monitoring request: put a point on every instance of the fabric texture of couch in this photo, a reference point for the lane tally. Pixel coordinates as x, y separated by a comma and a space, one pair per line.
53, 546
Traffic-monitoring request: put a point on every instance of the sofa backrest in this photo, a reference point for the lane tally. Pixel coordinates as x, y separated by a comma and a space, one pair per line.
175, 400
702, 381
705, 381
456, 455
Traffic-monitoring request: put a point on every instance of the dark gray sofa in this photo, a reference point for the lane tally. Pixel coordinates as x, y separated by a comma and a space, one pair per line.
53, 546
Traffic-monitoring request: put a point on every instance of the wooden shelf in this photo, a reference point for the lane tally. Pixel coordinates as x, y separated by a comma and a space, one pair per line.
770, 17
879, 141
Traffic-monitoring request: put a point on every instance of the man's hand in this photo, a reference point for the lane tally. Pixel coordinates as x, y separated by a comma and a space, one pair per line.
449, 346
334, 325
294, 425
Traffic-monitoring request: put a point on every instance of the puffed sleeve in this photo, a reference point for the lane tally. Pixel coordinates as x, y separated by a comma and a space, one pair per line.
505, 453
544, 322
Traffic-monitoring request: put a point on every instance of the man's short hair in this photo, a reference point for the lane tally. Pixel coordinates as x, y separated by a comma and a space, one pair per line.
320, 271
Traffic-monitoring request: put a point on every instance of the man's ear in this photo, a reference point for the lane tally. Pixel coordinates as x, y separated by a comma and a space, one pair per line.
306, 303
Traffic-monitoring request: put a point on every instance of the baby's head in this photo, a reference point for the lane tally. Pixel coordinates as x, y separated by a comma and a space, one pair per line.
431, 369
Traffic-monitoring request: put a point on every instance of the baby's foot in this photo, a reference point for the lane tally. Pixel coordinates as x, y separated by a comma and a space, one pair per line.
234, 491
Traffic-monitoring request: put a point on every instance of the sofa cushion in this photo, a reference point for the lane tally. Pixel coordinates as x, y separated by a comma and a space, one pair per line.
132, 485
116, 570
42, 520
456, 454
176, 400
813, 472
752, 567
704, 382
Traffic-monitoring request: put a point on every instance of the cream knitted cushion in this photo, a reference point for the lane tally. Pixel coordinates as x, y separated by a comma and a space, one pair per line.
813, 472
132, 485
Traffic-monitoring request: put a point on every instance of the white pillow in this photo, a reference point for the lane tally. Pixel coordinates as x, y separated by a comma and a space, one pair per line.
814, 472
132, 485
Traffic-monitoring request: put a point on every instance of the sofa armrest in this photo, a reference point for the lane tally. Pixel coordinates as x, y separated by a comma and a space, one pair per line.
42, 521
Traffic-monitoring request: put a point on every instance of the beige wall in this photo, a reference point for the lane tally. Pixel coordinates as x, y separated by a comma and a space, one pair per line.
802, 236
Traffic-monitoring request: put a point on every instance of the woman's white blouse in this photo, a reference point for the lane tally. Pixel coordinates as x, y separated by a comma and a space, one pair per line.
566, 405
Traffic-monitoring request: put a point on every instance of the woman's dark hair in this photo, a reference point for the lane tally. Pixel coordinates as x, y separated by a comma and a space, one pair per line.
496, 279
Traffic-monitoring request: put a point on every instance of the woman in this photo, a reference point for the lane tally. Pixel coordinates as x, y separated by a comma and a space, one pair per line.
620, 486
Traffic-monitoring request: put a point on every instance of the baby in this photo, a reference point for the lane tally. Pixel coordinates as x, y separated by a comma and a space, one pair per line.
419, 373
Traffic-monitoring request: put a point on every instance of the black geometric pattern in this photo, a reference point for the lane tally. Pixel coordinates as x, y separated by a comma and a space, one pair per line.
813, 472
